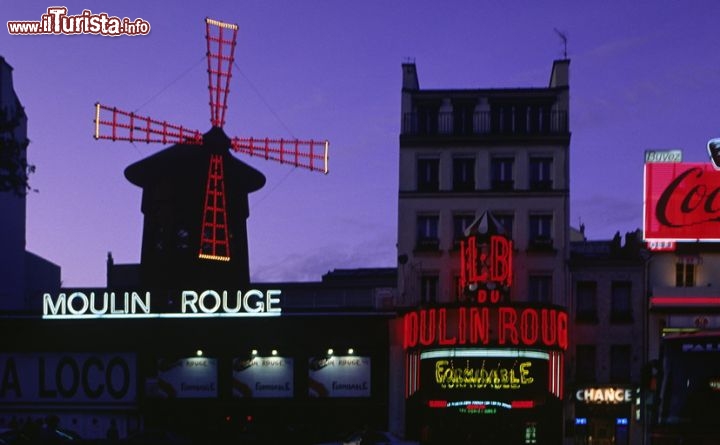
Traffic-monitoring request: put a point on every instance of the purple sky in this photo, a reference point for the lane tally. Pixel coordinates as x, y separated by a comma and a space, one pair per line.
644, 75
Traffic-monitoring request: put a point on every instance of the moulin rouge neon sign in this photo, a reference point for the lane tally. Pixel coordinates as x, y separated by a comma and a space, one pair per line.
486, 325
486, 276
191, 304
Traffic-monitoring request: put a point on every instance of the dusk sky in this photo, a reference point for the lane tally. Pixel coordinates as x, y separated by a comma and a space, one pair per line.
643, 75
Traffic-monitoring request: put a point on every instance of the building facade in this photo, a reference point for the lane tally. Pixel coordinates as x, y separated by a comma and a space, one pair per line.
22, 274
464, 152
606, 356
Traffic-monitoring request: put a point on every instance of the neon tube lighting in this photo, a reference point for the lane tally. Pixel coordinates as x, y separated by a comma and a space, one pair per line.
501, 353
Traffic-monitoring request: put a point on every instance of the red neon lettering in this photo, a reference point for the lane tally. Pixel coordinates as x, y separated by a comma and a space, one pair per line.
442, 327
411, 330
427, 327
529, 326
462, 325
479, 325
562, 328
508, 325
549, 326
501, 269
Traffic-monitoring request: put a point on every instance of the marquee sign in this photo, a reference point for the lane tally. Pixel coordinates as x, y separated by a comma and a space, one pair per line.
497, 376
189, 304
682, 202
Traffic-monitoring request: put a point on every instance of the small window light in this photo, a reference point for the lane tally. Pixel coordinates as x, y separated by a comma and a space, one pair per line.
330, 351
199, 353
351, 351
274, 352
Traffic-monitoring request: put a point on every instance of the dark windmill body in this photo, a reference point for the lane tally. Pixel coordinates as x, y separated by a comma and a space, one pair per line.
195, 193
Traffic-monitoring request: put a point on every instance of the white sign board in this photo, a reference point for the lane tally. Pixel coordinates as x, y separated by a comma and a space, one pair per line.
339, 376
263, 377
185, 378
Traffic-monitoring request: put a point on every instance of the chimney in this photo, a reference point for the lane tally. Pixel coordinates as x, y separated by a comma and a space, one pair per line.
410, 78
560, 75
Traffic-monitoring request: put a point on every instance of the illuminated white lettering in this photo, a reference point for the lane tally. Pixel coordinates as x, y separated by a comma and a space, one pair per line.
75, 296
53, 309
189, 298
216, 305
273, 299
259, 306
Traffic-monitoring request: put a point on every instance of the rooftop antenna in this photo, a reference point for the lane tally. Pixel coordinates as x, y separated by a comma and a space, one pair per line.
563, 36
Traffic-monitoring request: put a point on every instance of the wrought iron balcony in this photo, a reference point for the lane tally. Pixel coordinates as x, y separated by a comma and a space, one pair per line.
488, 123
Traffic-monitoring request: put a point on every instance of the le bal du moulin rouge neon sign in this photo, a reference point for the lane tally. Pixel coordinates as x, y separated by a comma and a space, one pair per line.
486, 276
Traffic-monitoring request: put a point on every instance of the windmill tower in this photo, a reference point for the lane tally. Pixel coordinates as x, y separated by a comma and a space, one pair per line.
195, 193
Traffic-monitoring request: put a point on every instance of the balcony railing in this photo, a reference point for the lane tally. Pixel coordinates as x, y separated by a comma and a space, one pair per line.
485, 123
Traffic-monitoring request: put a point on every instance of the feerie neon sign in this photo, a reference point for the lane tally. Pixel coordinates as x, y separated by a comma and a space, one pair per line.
192, 304
496, 377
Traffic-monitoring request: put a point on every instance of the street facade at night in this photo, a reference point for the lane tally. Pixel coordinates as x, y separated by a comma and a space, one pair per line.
500, 323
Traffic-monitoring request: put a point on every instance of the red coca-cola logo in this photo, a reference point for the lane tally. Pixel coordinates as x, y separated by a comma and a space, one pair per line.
683, 201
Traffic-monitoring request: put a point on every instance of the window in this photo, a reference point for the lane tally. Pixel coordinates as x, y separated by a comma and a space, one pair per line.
540, 173
463, 174
620, 303
586, 295
427, 232
506, 220
620, 363
540, 288
428, 288
461, 221
585, 364
501, 170
685, 272
428, 175
541, 231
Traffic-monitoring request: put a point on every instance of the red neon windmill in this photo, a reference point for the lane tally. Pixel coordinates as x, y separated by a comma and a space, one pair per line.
172, 184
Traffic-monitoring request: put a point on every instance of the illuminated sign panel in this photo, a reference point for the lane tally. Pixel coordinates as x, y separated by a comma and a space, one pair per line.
339, 376
484, 374
184, 378
508, 326
486, 267
263, 377
682, 202
47, 378
604, 395
189, 304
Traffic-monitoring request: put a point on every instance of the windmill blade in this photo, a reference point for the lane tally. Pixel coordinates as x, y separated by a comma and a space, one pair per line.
221, 38
117, 125
312, 155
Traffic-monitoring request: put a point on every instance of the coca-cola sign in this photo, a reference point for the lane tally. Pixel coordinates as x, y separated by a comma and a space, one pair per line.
682, 202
